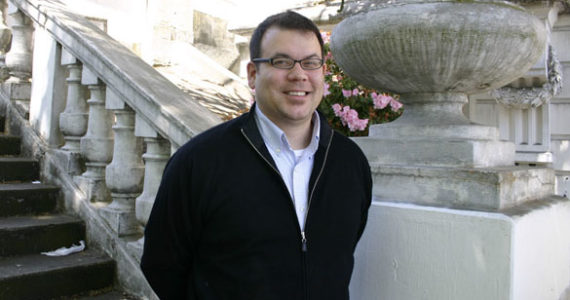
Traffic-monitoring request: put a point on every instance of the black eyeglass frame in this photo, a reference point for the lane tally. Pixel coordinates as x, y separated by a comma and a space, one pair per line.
300, 61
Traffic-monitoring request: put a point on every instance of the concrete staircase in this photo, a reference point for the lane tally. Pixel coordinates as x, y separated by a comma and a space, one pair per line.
30, 223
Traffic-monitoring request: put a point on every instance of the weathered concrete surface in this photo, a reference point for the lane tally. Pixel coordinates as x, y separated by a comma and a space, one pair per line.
438, 152
467, 188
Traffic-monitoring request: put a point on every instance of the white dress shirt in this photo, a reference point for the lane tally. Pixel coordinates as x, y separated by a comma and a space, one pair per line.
295, 166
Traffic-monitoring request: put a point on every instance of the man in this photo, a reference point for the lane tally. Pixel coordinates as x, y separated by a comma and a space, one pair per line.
271, 204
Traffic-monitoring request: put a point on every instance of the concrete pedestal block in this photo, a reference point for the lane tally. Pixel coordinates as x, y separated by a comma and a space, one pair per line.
93, 184
416, 252
469, 188
438, 152
120, 216
70, 162
17, 90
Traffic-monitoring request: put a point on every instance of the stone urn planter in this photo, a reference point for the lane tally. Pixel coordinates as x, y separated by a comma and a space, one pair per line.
435, 53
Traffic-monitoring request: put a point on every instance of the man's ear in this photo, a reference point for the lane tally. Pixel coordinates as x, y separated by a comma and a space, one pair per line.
251, 73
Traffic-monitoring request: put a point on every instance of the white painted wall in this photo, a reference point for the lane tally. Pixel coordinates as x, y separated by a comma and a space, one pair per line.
415, 252
541, 256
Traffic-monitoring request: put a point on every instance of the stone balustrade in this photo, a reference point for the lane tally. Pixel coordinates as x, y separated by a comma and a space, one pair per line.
115, 107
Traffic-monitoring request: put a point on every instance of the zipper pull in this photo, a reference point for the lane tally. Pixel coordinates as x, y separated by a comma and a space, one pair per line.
303, 242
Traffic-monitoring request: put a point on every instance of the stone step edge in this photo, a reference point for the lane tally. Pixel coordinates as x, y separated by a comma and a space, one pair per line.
26, 186
27, 222
25, 265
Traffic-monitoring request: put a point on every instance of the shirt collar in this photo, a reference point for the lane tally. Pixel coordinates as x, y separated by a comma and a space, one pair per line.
275, 138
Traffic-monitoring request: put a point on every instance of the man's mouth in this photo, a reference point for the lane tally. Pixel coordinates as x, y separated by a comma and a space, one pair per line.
296, 93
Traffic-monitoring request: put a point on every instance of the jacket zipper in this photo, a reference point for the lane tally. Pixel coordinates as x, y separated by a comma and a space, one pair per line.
303, 236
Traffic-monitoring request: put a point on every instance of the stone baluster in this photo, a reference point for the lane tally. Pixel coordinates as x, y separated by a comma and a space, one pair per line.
97, 145
124, 176
5, 39
19, 58
73, 120
155, 158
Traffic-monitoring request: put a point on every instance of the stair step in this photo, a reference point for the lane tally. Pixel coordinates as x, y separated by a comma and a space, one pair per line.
9, 145
18, 169
44, 277
98, 295
27, 199
35, 234
2, 123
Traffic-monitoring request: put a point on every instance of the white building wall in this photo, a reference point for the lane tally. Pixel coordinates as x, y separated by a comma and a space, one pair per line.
542, 135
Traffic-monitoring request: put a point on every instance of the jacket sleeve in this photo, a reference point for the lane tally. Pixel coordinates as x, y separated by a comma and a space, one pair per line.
367, 185
168, 248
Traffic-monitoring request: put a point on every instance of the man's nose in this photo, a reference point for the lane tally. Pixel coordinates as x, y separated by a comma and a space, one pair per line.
297, 72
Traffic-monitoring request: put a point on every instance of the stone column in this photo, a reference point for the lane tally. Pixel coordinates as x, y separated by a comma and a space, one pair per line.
47, 100
125, 174
97, 145
19, 58
155, 158
73, 120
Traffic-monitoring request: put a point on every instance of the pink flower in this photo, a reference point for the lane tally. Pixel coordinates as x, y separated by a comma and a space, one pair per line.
381, 101
395, 105
358, 124
349, 117
337, 109
355, 92
326, 90
346, 93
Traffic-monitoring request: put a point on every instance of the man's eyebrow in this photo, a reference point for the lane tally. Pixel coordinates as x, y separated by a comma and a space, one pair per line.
279, 54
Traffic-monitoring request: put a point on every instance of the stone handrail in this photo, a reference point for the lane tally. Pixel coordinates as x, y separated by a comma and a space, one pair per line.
129, 104
172, 113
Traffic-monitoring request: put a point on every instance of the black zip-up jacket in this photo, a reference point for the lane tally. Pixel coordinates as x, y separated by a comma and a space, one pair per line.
223, 225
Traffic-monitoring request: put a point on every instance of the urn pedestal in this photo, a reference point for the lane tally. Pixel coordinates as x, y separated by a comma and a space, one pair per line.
452, 216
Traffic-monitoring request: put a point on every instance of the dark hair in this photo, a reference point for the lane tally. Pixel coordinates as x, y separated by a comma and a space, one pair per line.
285, 20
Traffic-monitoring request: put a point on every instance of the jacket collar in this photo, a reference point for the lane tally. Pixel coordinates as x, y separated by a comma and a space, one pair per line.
251, 133
249, 127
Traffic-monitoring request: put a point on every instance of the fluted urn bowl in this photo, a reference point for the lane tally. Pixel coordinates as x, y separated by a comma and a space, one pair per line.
435, 53
443, 46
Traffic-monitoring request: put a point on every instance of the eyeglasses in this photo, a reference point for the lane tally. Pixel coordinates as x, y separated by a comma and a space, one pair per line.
311, 63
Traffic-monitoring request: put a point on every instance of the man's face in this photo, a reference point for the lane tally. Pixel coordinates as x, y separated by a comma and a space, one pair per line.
287, 97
